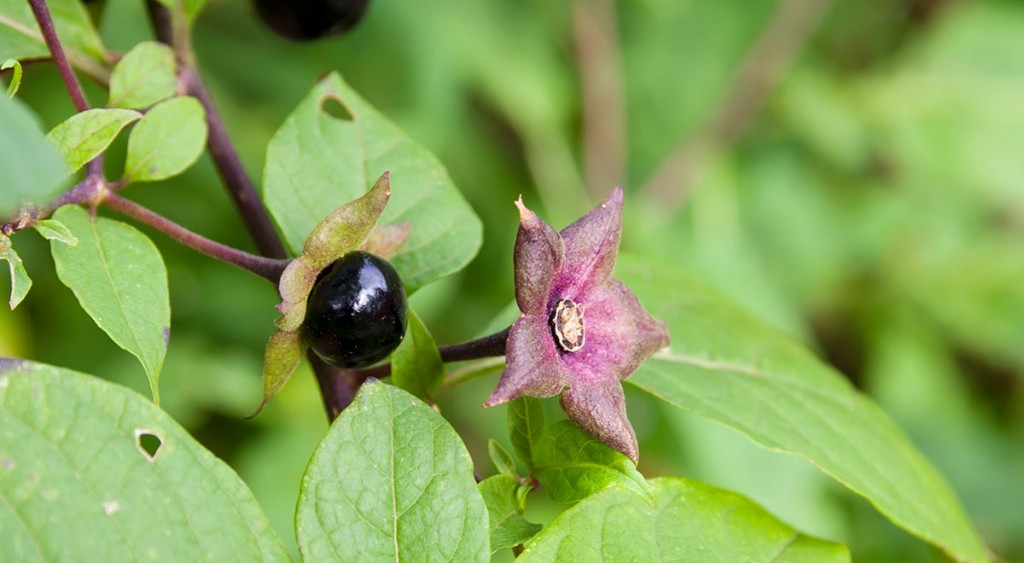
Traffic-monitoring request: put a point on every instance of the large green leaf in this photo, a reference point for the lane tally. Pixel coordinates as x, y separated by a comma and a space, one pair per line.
167, 141
91, 470
392, 480
728, 367
30, 168
85, 135
689, 521
143, 77
525, 428
20, 37
119, 277
316, 162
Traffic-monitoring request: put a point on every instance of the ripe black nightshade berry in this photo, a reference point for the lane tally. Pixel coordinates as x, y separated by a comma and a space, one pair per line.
356, 314
305, 20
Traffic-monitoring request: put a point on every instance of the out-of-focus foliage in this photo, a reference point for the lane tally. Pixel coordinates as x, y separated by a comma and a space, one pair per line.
874, 209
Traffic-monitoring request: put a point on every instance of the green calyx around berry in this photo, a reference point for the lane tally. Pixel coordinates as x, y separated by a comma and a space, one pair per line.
350, 230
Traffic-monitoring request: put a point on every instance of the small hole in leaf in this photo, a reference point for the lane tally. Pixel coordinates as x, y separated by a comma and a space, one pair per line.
334, 108
149, 443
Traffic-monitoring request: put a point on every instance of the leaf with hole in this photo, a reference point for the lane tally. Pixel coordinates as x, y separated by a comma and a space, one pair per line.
416, 364
93, 469
571, 465
143, 77
317, 161
505, 514
85, 135
728, 367
167, 141
20, 282
688, 521
120, 280
30, 168
391, 480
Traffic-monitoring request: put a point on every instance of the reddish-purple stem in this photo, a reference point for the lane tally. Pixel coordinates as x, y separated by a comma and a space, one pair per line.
269, 268
45, 21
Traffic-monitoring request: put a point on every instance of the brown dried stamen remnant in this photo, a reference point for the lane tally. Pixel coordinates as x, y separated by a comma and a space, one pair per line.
567, 325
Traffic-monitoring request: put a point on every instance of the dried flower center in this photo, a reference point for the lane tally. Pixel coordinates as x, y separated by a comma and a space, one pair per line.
567, 324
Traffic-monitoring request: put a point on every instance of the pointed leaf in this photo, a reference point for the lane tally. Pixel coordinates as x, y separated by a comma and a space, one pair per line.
92, 469
120, 280
188, 7
30, 168
571, 465
391, 480
731, 368
85, 135
347, 226
167, 141
51, 229
525, 428
20, 282
688, 521
15, 83
143, 77
317, 162
416, 365
280, 358
501, 459
505, 515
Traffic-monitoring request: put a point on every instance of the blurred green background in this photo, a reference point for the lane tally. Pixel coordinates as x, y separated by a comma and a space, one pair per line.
873, 208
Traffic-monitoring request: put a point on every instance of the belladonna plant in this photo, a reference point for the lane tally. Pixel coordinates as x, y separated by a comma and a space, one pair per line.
581, 331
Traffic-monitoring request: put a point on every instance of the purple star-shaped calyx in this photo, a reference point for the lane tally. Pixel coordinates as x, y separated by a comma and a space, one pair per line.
581, 332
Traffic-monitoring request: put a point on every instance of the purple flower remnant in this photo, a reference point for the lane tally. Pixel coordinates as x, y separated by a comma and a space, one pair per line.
581, 332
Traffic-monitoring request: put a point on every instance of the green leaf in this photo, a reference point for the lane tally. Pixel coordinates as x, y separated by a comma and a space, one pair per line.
143, 77
20, 37
119, 278
571, 465
416, 365
51, 229
280, 358
12, 87
729, 367
20, 282
167, 141
30, 168
90, 468
525, 428
689, 521
85, 135
391, 480
316, 162
505, 514
501, 459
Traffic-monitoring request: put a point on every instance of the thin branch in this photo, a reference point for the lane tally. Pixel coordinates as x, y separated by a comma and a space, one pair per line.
87, 192
486, 347
229, 166
45, 21
758, 75
604, 116
269, 268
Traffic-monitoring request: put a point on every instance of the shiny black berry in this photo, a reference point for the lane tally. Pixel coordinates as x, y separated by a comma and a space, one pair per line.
356, 314
304, 20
